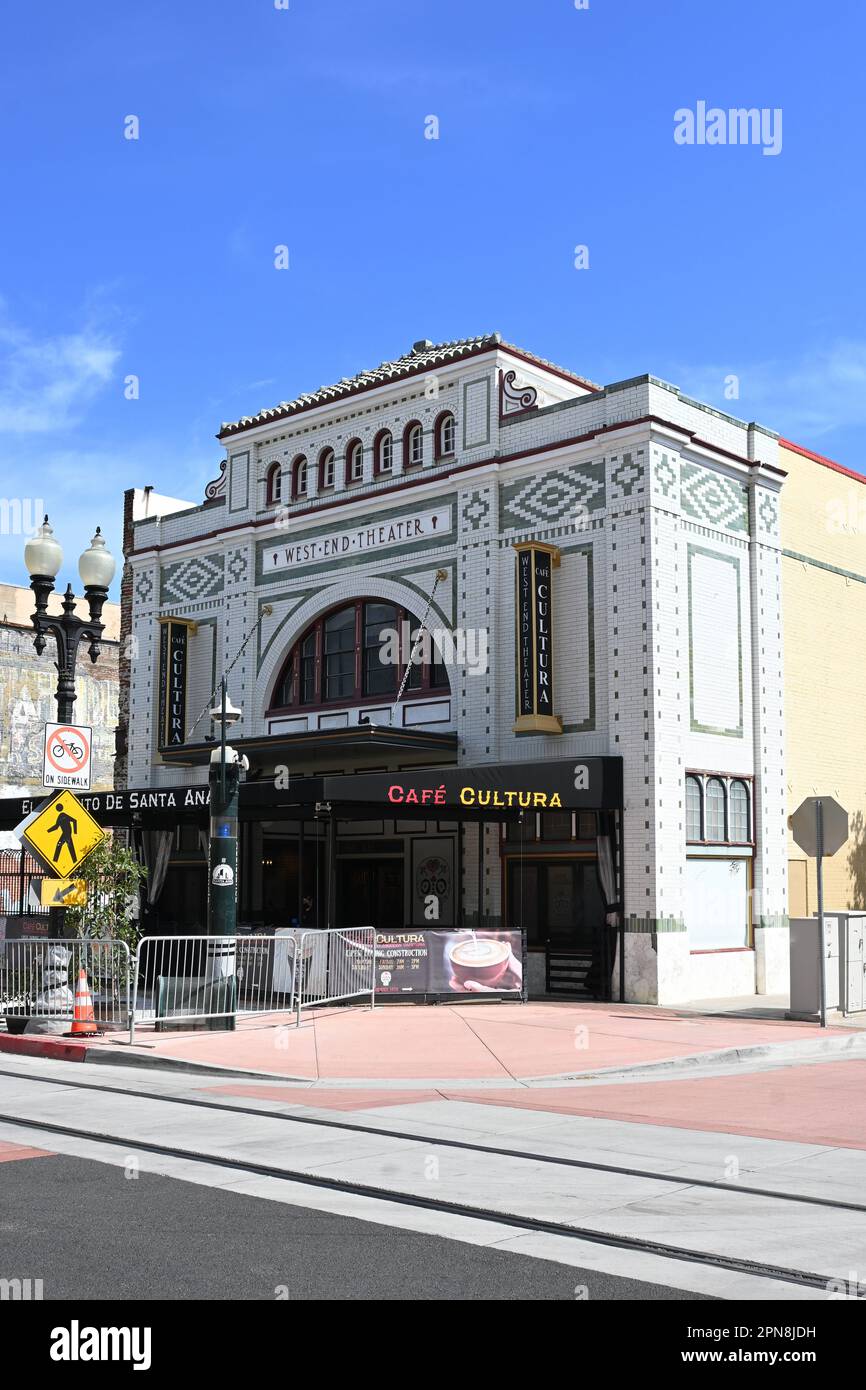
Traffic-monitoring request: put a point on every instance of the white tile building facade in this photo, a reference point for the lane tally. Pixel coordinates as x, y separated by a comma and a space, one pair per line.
668, 633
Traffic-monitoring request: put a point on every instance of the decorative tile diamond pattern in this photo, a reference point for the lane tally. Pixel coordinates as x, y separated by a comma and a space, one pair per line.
237, 565
625, 475
474, 511
768, 514
554, 497
143, 588
197, 578
666, 477
714, 500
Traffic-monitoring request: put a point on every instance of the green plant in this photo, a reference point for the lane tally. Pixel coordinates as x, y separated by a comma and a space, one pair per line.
113, 877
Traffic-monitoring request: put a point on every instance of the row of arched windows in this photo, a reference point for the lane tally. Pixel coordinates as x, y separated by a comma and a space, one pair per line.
444, 447
718, 810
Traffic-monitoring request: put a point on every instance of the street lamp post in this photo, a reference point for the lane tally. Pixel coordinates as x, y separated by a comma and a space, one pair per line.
224, 775
43, 558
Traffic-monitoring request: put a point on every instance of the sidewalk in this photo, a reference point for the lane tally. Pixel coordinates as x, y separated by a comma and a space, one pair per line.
491, 1045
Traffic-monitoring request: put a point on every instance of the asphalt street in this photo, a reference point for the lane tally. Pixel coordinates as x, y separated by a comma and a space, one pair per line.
90, 1232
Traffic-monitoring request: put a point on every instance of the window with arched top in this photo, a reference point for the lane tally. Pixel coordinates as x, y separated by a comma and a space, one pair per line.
354, 461
714, 811
694, 808
327, 470
299, 477
445, 435
273, 484
413, 445
358, 652
383, 453
738, 813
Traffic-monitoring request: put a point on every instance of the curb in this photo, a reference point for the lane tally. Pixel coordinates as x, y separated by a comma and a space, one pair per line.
59, 1049
56, 1048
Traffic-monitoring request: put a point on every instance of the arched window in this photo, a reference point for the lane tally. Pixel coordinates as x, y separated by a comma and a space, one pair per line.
273, 484
354, 461
357, 653
327, 470
694, 830
738, 813
445, 435
299, 477
413, 445
715, 810
383, 453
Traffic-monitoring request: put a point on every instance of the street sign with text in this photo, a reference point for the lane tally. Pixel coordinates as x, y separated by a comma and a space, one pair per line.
67, 756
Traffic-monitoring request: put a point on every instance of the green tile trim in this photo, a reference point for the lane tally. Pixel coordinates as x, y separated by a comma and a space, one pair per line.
651, 925
695, 725
823, 565
773, 920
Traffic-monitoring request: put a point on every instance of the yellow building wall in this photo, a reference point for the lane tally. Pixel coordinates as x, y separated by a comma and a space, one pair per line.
824, 615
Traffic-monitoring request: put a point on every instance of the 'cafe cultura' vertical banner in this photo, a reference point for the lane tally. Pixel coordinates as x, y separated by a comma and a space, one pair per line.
535, 657
173, 665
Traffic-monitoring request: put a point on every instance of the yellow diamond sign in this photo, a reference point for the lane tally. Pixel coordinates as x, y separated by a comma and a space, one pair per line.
63, 892
61, 834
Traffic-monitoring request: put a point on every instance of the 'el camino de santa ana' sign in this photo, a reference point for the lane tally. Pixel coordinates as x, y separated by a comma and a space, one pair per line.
372, 536
534, 622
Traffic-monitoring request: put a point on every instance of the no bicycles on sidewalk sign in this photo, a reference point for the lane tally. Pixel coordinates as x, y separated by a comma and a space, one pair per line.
67, 756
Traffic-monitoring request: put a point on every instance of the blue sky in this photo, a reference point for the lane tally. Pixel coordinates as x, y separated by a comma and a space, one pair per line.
261, 126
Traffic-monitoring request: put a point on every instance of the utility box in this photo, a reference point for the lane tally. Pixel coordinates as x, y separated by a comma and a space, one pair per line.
805, 964
853, 925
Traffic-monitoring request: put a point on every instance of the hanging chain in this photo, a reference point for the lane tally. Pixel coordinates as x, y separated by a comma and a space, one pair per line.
419, 637
266, 612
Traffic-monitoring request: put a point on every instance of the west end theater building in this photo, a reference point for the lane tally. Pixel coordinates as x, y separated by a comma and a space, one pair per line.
588, 744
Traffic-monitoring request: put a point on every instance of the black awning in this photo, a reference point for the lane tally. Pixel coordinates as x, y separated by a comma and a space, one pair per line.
362, 741
491, 791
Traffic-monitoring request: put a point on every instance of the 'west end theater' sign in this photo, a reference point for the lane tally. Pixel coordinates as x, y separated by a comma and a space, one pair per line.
337, 545
173, 666
534, 620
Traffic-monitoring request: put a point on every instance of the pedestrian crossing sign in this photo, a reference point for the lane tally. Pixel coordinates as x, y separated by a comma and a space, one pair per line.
60, 834
62, 892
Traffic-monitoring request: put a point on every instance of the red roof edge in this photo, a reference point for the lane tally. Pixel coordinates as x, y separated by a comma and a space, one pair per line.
819, 458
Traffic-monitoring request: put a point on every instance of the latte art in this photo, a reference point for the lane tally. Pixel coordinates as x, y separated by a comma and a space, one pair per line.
479, 954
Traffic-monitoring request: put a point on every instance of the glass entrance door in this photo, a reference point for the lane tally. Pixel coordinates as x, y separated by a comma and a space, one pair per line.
558, 902
370, 893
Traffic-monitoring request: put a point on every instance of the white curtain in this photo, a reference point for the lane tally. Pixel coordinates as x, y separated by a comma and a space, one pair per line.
156, 849
607, 877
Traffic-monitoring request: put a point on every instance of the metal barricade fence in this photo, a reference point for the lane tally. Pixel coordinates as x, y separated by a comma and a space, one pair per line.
38, 978
180, 979
333, 965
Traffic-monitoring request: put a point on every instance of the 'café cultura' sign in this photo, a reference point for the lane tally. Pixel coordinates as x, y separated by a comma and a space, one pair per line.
534, 621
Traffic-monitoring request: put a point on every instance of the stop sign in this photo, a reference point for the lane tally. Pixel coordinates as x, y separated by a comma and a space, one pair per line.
804, 825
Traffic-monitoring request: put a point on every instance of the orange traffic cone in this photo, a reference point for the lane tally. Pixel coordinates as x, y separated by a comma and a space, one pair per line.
83, 1018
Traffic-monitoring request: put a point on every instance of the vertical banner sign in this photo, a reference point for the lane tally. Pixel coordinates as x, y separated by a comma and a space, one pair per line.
173, 665
534, 619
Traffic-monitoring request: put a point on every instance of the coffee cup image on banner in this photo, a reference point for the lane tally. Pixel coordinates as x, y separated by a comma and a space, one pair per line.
482, 964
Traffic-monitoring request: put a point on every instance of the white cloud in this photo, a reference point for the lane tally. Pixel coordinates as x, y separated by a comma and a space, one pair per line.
46, 383
814, 395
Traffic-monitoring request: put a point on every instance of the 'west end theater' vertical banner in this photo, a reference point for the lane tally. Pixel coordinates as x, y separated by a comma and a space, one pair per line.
535, 657
173, 667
